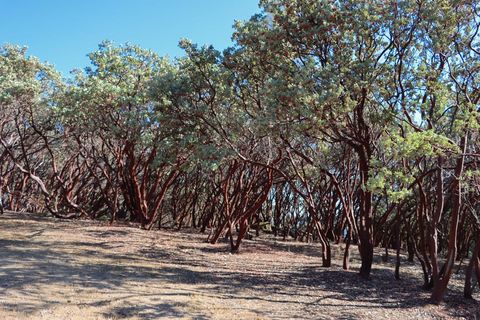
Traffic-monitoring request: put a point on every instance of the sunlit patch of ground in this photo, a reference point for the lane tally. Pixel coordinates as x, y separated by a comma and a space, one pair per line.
52, 269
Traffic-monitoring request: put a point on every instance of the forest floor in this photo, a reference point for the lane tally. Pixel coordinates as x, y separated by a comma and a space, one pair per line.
51, 269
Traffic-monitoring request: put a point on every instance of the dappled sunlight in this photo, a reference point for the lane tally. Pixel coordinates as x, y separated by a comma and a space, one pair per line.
97, 271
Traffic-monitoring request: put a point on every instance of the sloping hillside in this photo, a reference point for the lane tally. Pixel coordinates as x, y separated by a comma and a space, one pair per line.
53, 269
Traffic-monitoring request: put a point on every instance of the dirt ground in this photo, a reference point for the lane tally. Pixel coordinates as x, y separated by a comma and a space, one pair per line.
52, 269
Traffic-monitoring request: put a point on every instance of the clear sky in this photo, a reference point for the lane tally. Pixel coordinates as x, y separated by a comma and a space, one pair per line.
62, 32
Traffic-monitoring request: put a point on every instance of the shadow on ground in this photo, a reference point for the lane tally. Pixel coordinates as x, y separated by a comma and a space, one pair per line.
31, 261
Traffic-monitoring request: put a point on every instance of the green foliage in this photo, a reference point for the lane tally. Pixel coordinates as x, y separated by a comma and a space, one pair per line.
25, 78
419, 144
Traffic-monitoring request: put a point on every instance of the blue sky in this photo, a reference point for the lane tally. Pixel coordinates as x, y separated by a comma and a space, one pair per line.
62, 32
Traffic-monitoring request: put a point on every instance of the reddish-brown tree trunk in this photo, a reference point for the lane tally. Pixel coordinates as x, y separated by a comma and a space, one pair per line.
365, 230
472, 266
441, 285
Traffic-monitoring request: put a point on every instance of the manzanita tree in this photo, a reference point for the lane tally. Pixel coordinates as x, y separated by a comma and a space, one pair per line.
332, 121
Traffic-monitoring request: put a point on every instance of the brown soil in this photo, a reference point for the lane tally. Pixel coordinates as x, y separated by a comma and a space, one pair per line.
52, 269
